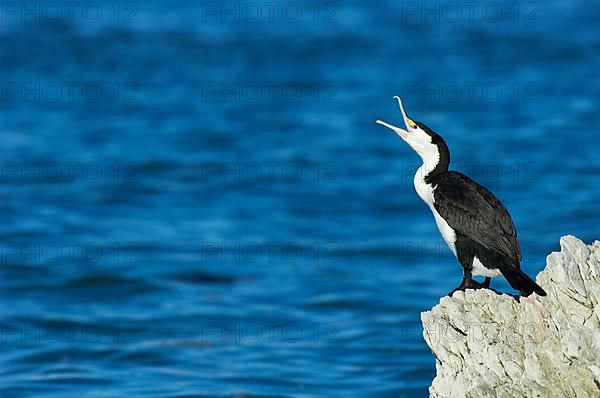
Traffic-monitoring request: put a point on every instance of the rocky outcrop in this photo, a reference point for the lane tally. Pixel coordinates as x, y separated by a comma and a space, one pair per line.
491, 345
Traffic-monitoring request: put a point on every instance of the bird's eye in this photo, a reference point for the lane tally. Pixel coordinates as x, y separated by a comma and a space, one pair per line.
412, 124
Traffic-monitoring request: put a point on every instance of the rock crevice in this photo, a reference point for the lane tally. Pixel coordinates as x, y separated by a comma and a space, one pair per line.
490, 345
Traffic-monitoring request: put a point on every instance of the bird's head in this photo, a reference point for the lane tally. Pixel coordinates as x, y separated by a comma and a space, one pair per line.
429, 145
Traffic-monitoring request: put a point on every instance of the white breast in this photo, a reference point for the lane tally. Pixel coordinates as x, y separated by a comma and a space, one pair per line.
425, 192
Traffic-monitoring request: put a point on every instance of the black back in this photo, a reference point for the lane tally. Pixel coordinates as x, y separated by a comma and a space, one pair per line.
473, 211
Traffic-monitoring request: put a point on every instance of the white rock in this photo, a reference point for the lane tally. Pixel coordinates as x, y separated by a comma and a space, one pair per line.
490, 345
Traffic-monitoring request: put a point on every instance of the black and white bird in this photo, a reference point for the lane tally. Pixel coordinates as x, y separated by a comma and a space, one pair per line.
472, 221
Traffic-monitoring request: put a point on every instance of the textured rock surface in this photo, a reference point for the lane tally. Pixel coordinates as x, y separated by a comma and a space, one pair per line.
489, 345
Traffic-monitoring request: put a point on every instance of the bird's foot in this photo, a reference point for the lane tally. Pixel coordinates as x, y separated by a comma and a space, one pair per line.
480, 285
463, 286
472, 284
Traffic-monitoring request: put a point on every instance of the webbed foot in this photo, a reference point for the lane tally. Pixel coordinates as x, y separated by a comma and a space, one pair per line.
480, 285
469, 283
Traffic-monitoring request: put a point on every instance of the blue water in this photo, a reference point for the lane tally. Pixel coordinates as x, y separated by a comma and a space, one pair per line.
196, 201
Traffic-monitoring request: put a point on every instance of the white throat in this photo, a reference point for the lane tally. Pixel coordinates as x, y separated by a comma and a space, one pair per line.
430, 155
431, 158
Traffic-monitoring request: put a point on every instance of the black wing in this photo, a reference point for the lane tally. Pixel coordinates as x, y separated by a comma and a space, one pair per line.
473, 211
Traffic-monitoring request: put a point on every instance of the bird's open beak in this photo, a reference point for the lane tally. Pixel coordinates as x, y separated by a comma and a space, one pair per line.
407, 122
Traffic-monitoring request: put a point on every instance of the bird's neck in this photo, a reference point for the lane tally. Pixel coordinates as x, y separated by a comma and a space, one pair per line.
434, 165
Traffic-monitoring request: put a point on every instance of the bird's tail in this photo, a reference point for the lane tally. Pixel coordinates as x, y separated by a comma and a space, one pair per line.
520, 281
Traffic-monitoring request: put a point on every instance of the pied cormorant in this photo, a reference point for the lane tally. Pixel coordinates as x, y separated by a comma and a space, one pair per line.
472, 221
